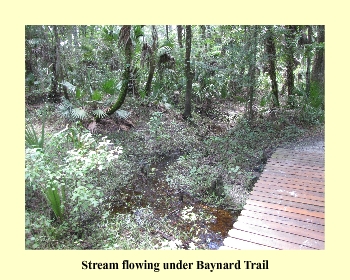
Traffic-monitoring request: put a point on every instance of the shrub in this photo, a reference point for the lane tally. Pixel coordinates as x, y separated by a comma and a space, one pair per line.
67, 177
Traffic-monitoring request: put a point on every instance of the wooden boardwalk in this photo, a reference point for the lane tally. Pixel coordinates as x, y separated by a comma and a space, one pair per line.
285, 210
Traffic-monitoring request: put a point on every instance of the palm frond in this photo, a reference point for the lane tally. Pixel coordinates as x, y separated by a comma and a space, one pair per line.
31, 139
122, 114
79, 113
69, 86
65, 108
98, 113
54, 200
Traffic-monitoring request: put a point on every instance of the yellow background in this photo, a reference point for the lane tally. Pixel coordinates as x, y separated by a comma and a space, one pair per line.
17, 263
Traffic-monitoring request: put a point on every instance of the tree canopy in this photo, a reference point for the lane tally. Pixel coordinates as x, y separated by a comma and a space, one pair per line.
152, 137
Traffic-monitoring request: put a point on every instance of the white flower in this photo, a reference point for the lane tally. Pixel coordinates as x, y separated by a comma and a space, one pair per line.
192, 246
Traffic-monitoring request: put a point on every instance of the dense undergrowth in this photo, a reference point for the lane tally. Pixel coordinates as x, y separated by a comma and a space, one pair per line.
78, 182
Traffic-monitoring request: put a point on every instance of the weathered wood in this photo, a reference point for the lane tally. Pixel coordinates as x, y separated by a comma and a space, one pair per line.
286, 208
277, 226
281, 207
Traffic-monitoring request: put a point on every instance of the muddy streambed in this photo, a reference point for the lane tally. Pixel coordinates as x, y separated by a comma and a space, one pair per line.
150, 189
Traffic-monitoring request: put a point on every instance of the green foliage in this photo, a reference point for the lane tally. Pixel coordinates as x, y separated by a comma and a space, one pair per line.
96, 96
122, 114
109, 34
78, 114
70, 181
99, 114
54, 199
316, 98
31, 138
138, 32
65, 108
78, 177
310, 108
155, 125
109, 86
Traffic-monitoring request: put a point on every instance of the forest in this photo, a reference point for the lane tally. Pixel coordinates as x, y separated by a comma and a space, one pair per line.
152, 136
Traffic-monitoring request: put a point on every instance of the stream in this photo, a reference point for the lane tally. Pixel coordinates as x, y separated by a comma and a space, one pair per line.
152, 190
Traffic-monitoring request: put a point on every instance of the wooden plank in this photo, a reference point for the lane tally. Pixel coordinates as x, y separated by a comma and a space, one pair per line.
279, 207
290, 192
291, 181
279, 175
281, 235
266, 241
294, 153
297, 167
278, 186
238, 244
283, 196
270, 182
286, 208
310, 163
285, 214
299, 158
284, 221
300, 175
278, 226
316, 208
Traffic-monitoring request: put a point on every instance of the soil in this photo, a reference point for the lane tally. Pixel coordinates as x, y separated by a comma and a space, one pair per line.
311, 143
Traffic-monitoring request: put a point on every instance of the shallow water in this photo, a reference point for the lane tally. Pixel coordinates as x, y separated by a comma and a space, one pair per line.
154, 192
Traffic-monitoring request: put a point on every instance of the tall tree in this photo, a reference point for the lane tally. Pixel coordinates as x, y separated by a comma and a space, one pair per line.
252, 68
317, 75
152, 65
290, 34
56, 65
126, 41
271, 56
167, 32
179, 35
308, 58
188, 73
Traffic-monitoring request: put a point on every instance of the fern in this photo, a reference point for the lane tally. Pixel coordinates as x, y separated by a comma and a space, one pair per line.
98, 113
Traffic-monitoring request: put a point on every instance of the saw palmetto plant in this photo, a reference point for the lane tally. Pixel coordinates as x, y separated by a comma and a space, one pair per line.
32, 140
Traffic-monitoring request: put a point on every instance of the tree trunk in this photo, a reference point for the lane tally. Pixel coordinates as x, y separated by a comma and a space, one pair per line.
204, 35
317, 75
152, 66
124, 38
308, 60
167, 32
179, 35
290, 41
189, 74
271, 54
75, 34
54, 95
252, 69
